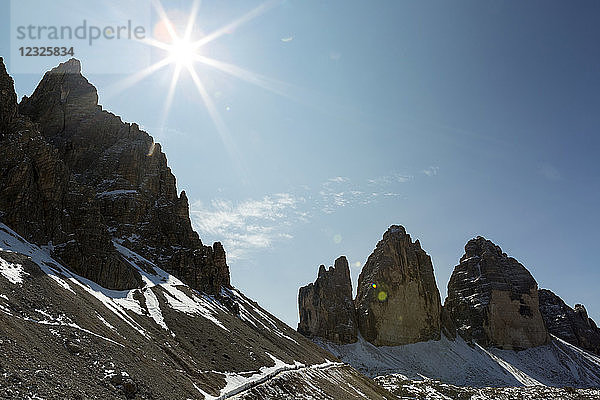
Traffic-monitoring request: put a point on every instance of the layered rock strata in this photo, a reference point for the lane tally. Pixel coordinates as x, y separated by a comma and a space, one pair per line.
493, 299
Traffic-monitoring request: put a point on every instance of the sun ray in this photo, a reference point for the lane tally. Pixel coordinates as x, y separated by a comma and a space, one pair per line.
212, 109
192, 20
163, 17
156, 43
182, 52
272, 85
170, 95
261, 9
229, 143
126, 83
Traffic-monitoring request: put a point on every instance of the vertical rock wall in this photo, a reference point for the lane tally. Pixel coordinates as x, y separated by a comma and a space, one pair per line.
398, 301
493, 299
326, 306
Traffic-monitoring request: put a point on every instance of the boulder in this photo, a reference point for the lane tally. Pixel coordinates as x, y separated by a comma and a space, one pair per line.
326, 306
398, 301
493, 299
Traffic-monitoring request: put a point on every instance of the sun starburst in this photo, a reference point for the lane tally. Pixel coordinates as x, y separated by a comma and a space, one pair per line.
183, 51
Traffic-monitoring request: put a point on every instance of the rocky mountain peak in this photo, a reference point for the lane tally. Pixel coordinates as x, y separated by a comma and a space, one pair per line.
8, 98
572, 325
62, 100
479, 246
79, 180
398, 301
582, 313
322, 270
394, 230
340, 270
493, 299
326, 307
71, 66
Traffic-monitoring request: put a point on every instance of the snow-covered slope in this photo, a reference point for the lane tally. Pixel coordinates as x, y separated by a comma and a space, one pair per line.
63, 336
456, 362
435, 390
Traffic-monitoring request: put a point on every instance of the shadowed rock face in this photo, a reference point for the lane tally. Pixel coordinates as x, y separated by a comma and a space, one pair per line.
571, 325
493, 299
8, 98
398, 301
78, 179
326, 306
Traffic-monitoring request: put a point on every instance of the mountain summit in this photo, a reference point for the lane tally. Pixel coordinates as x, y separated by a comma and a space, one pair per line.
493, 299
86, 180
326, 306
397, 300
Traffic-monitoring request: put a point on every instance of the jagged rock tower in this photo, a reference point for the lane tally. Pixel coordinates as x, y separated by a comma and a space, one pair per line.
81, 181
398, 301
326, 306
493, 299
571, 325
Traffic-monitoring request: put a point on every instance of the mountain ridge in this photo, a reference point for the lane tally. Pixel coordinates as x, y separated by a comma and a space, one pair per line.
495, 324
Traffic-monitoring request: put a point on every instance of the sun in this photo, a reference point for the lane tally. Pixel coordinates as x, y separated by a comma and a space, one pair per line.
182, 43
182, 52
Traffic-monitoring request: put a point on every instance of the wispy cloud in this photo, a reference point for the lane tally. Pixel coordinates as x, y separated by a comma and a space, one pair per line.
340, 191
254, 224
287, 39
338, 179
390, 179
431, 171
247, 225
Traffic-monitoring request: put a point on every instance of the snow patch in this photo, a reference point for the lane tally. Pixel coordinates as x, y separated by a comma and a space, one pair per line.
556, 364
238, 382
13, 272
197, 304
105, 322
249, 317
154, 308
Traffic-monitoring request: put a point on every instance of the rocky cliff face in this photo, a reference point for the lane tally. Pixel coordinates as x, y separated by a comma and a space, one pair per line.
77, 179
326, 306
8, 98
493, 299
571, 325
398, 301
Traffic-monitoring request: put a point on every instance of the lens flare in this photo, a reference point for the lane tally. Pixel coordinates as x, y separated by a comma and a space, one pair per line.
382, 296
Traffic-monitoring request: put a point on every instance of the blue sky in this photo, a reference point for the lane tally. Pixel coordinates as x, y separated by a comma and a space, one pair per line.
454, 119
